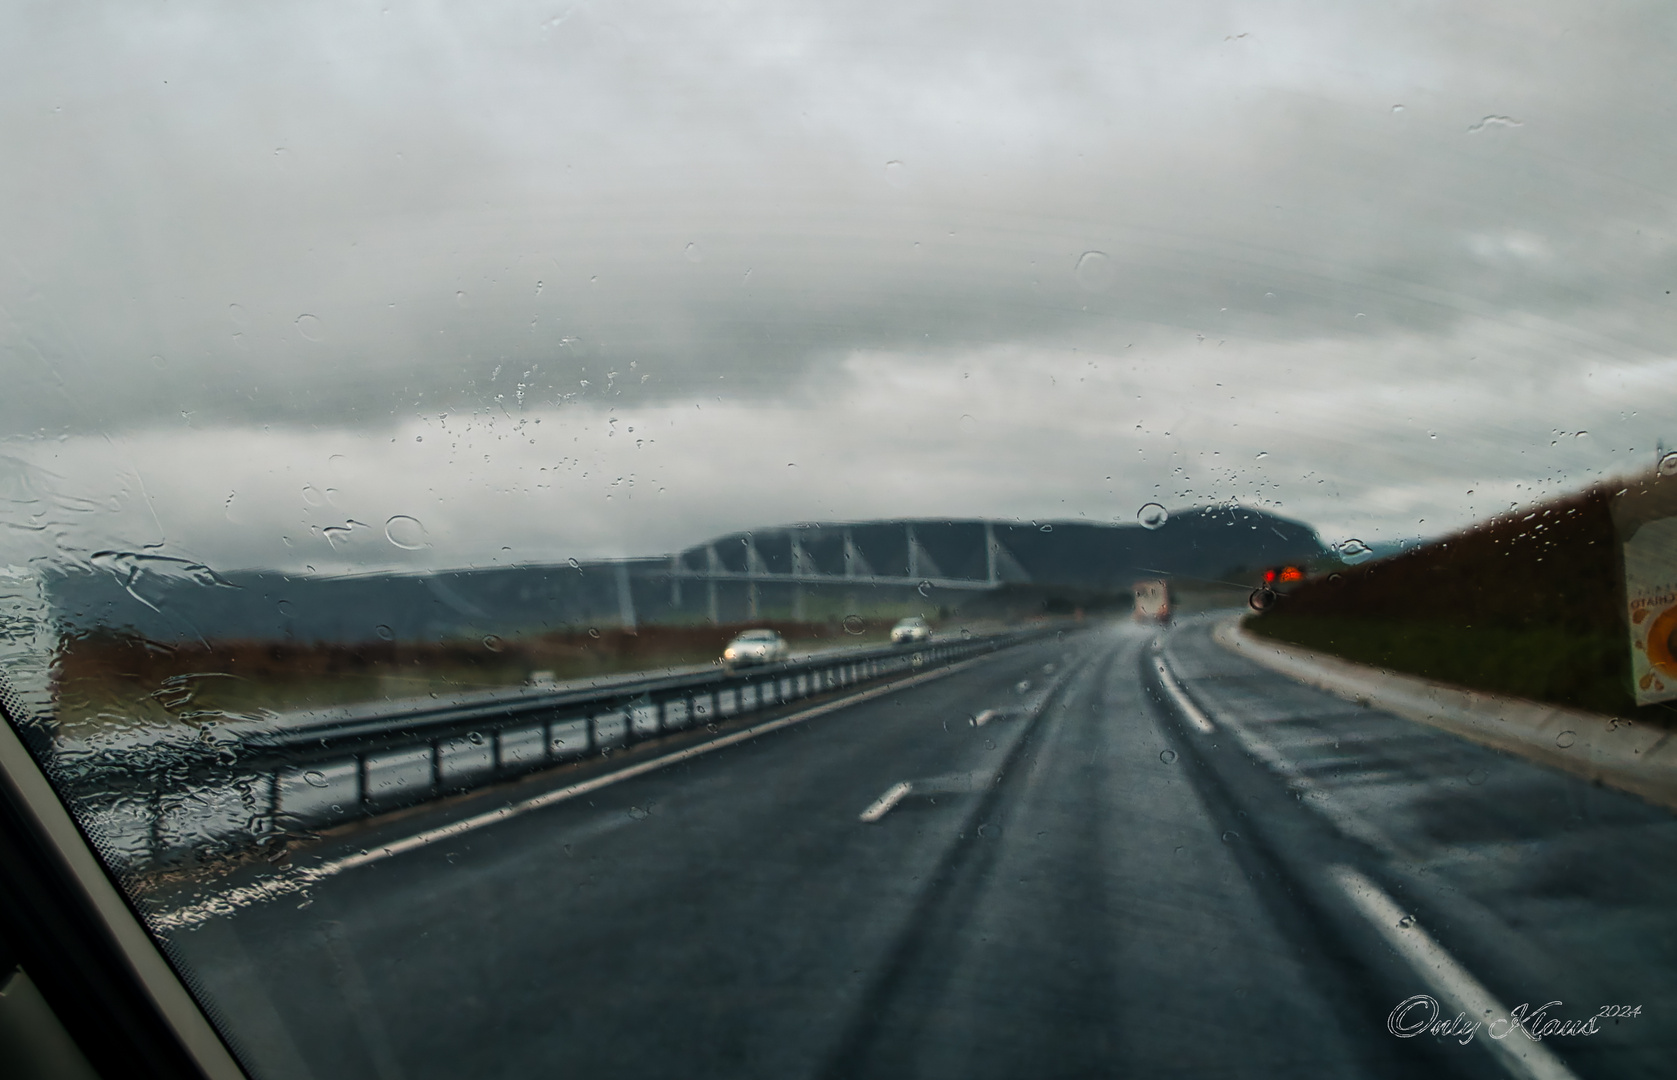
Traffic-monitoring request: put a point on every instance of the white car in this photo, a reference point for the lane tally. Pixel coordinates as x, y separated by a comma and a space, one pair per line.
911, 629
755, 647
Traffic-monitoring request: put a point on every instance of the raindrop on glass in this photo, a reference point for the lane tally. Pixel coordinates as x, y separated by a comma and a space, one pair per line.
1261, 599
925, 588
1477, 777
1668, 464
1094, 271
492, 642
853, 624
1167, 756
1230, 837
694, 254
1152, 516
1566, 739
314, 778
639, 813
384, 632
405, 532
475, 738
309, 327
1354, 550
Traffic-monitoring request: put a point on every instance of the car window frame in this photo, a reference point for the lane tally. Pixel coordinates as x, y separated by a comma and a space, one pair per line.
84, 946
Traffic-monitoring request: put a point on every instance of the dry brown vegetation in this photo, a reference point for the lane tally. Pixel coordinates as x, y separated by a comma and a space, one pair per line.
105, 674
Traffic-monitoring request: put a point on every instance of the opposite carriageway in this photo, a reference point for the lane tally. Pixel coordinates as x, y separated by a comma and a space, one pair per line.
270, 784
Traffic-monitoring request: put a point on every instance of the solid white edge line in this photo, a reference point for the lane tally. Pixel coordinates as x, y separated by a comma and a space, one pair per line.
1183, 701
226, 903
882, 805
1521, 1056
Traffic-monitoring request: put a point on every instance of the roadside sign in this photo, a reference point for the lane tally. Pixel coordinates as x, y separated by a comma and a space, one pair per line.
1651, 599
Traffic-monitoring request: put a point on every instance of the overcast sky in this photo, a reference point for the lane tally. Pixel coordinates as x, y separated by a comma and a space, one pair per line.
354, 286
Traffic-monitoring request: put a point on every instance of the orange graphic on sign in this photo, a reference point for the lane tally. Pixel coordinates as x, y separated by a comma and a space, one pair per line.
1659, 647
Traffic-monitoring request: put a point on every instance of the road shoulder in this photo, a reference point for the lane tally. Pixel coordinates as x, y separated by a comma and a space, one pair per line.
1607, 750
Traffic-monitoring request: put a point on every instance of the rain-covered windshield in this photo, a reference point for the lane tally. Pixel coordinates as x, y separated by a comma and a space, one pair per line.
1266, 409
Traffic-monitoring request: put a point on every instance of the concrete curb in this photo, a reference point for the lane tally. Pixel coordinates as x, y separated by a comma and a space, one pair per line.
1607, 750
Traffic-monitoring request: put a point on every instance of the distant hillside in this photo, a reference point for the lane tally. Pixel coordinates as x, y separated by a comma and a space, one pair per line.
864, 567
1208, 543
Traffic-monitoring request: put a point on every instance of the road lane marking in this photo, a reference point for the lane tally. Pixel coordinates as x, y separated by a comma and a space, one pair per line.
1308, 790
245, 895
977, 780
882, 805
1178, 695
1316, 795
1517, 1053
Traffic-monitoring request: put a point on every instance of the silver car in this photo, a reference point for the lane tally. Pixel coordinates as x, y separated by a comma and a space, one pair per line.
755, 647
911, 629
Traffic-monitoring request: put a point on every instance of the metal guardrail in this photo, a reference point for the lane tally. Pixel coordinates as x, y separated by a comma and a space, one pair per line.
272, 784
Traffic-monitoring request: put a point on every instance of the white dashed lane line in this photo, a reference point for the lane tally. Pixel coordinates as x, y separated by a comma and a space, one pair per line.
882, 805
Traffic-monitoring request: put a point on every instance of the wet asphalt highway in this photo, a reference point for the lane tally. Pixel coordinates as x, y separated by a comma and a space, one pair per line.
1094, 881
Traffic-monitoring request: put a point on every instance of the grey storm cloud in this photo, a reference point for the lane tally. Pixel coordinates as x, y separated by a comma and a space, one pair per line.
348, 218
